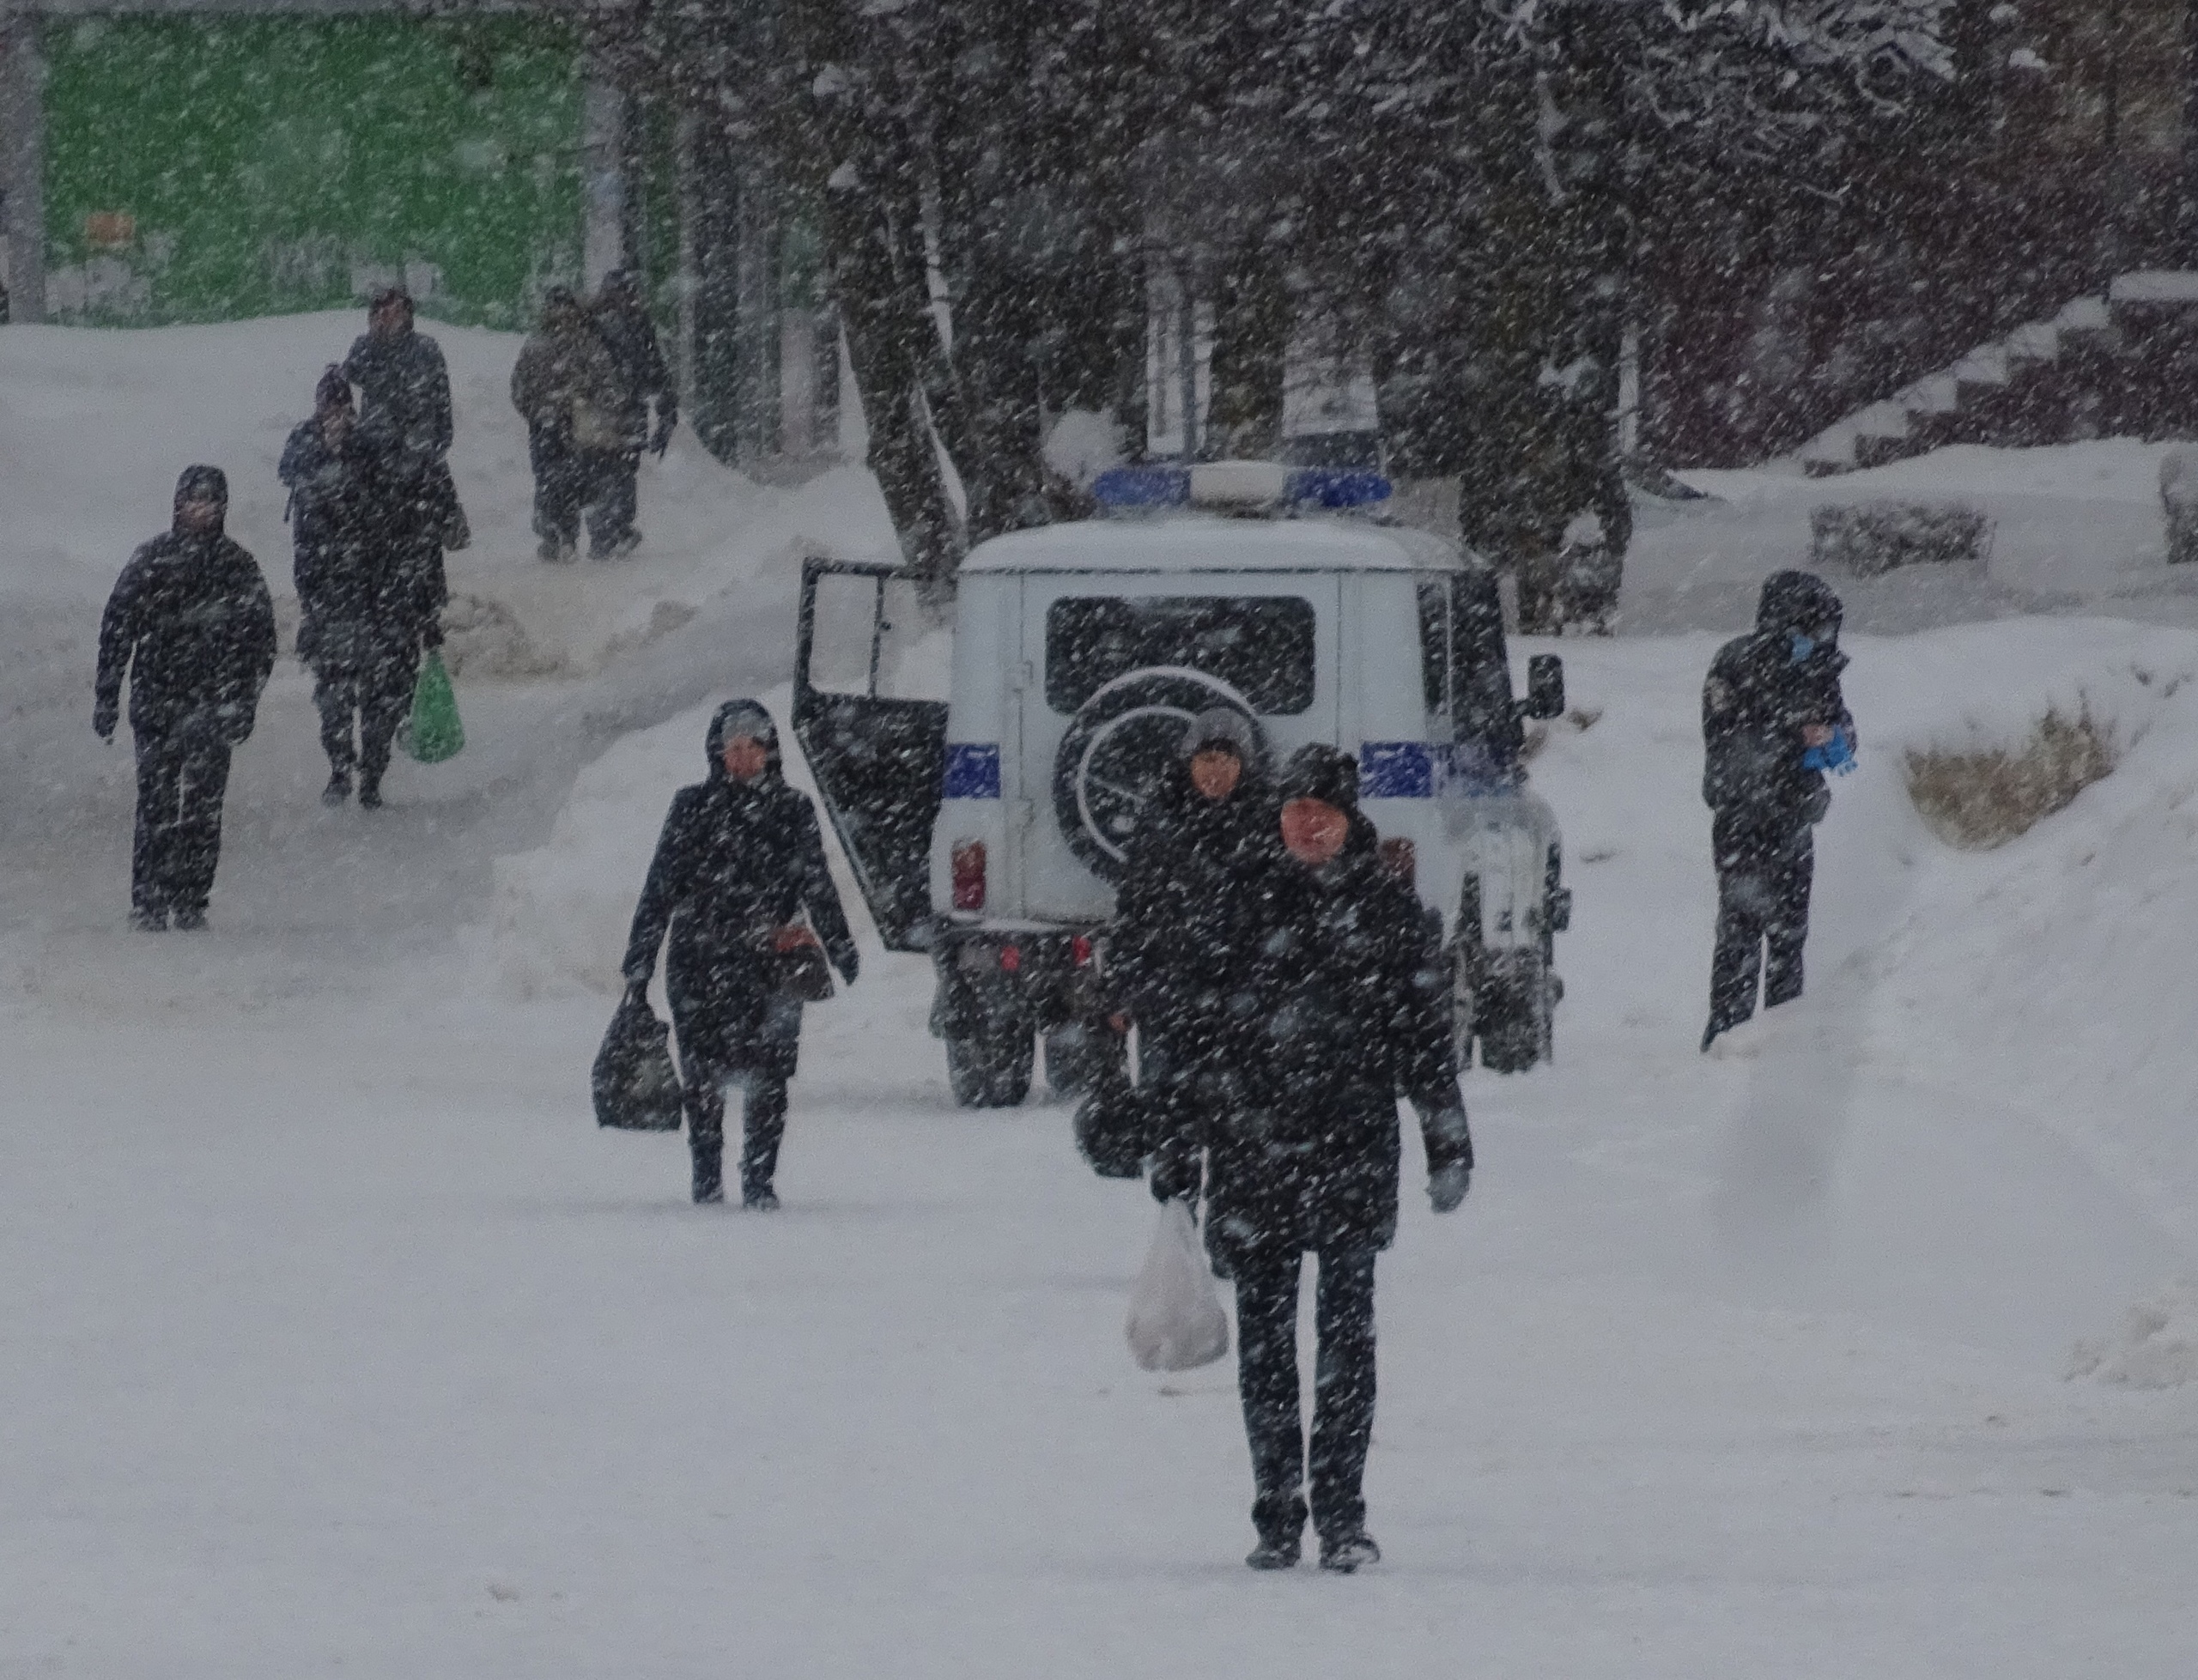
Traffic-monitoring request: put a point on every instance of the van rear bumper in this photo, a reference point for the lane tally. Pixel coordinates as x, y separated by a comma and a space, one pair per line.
991, 976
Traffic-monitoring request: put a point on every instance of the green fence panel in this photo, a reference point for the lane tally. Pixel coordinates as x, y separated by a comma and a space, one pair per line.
214, 167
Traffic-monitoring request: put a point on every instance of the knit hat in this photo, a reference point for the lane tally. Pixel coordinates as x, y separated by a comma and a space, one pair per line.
334, 390
1317, 771
741, 716
202, 484
1224, 727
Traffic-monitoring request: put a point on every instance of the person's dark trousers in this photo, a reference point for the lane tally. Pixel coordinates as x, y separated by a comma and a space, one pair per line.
1763, 879
373, 701
763, 1123
181, 779
560, 486
614, 499
1343, 1390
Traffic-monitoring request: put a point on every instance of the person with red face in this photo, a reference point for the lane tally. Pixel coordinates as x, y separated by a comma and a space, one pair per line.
1348, 998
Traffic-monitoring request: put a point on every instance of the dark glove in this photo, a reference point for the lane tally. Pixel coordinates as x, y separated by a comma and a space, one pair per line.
1175, 1176
105, 715
1446, 1187
662, 440
431, 635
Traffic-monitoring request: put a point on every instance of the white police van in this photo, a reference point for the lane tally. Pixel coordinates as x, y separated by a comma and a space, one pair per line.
989, 830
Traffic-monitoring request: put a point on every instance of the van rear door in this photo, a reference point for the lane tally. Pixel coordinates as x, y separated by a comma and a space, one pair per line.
870, 670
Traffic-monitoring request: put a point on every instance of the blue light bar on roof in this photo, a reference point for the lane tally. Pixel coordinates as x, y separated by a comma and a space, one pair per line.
1130, 489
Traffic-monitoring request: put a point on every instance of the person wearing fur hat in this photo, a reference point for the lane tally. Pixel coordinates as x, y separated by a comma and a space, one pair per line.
191, 627
1348, 1001
369, 607
740, 862
1176, 949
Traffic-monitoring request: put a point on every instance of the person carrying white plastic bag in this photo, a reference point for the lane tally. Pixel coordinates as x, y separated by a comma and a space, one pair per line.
1176, 1322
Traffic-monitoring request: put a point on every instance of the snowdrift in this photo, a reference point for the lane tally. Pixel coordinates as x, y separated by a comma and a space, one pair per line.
94, 425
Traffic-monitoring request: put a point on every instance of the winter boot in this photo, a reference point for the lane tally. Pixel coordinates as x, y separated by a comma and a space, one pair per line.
1342, 1553
369, 795
709, 1176
765, 1200
191, 921
149, 921
1280, 1518
338, 789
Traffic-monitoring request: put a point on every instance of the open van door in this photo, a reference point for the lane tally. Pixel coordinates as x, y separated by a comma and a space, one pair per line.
871, 672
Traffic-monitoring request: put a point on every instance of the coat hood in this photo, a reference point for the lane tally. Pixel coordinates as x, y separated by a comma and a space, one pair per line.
743, 716
1797, 601
203, 483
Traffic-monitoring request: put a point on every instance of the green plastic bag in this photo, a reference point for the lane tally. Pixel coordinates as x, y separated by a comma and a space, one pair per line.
433, 733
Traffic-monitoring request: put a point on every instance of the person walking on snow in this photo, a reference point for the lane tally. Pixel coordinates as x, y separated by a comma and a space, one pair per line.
1773, 722
190, 625
1348, 999
740, 859
566, 387
370, 602
1178, 944
621, 320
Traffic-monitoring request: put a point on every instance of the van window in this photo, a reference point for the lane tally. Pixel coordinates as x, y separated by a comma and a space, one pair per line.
1262, 645
1480, 674
1434, 645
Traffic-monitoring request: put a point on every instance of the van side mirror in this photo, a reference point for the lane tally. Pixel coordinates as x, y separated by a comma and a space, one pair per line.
1544, 687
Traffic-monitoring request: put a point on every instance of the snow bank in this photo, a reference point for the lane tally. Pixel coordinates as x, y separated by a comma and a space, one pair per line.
2156, 1347
94, 425
2077, 527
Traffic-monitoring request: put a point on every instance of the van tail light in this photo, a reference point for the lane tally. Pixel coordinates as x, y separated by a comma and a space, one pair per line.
1079, 950
1401, 859
1011, 959
968, 875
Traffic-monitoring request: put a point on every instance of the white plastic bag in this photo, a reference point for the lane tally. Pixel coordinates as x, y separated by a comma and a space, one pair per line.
1175, 1320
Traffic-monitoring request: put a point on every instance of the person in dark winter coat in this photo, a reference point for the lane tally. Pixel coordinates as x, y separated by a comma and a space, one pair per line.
1773, 722
621, 320
1348, 998
567, 388
370, 600
1177, 948
740, 859
189, 623
405, 384
406, 411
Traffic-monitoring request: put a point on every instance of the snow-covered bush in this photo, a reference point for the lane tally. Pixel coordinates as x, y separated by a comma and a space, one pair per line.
1983, 798
2179, 502
1871, 538
2157, 1346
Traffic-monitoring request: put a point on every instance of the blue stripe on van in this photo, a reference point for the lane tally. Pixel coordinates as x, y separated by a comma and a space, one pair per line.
972, 770
1396, 770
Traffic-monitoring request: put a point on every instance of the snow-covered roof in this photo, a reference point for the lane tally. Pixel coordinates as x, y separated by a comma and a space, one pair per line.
1204, 543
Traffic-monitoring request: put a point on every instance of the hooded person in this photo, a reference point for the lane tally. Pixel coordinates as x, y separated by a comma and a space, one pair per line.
1346, 998
368, 607
567, 388
191, 627
739, 864
1177, 945
1774, 722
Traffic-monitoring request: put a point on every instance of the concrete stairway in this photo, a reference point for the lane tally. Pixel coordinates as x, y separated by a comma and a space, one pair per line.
2125, 364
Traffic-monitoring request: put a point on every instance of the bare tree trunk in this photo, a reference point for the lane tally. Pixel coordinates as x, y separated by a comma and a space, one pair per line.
1252, 322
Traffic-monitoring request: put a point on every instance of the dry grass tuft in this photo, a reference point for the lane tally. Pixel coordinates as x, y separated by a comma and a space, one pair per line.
1983, 799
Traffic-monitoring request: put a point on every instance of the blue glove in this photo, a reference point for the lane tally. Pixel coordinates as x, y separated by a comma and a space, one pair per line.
1837, 756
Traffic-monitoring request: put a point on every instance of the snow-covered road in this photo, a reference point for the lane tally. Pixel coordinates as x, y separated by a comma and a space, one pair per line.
334, 1339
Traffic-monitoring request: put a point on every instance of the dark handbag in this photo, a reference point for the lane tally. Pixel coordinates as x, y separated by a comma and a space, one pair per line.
802, 972
636, 1086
